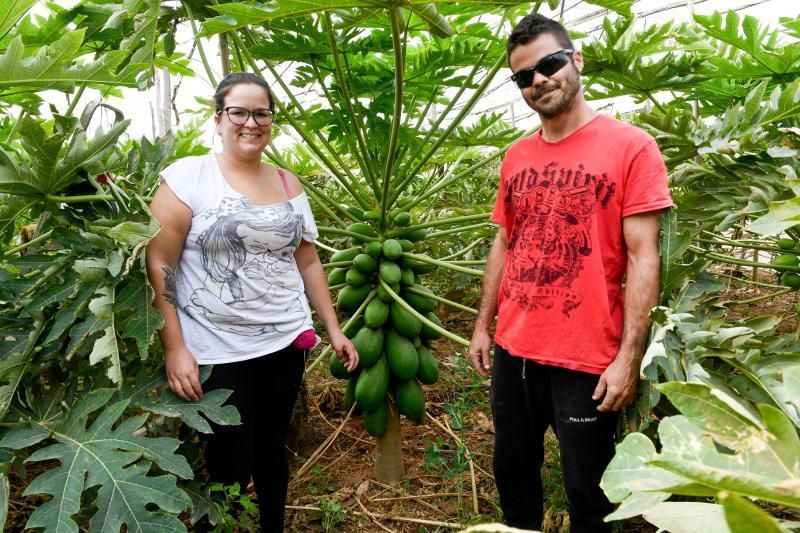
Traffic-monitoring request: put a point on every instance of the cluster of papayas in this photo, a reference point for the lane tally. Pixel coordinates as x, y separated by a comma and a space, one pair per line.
392, 343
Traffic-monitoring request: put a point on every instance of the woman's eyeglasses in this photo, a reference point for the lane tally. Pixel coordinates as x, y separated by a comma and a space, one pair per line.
547, 66
240, 115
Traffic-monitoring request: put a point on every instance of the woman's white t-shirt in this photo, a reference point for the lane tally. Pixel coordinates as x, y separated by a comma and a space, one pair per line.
239, 291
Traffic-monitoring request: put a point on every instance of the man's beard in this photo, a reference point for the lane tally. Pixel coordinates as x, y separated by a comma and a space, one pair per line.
569, 90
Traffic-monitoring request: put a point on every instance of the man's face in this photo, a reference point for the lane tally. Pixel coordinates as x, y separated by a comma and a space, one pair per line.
548, 95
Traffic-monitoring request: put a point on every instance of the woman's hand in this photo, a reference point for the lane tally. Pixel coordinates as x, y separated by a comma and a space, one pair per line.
183, 373
344, 349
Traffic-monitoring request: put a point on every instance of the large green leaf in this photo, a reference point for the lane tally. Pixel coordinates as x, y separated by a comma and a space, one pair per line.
744, 517
105, 346
152, 393
11, 11
54, 66
145, 320
114, 459
686, 517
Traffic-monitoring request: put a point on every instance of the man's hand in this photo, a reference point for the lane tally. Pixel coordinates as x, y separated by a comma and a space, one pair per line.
344, 349
183, 373
618, 383
479, 352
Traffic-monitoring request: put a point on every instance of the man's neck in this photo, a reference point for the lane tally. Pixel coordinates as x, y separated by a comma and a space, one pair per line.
562, 125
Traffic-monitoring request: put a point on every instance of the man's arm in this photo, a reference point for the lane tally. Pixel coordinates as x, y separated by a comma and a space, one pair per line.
492, 274
620, 379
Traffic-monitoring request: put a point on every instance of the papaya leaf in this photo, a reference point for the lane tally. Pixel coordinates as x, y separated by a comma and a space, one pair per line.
54, 66
10, 13
106, 347
202, 503
17, 347
113, 458
623, 7
137, 296
684, 517
744, 517
152, 393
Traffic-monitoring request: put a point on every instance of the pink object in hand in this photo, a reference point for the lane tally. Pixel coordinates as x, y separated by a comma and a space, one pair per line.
305, 340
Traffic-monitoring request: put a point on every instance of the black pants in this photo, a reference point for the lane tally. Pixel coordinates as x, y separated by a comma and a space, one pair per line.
527, 397
264, 392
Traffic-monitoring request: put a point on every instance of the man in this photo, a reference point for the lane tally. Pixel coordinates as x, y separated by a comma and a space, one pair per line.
578, 208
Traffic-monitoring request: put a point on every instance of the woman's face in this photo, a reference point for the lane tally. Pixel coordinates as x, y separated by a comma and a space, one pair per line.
248, 140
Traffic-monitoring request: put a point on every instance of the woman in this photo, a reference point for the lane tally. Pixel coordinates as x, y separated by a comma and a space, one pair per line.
234, 268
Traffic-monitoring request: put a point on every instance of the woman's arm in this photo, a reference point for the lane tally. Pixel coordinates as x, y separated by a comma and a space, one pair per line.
320, 298
163, 253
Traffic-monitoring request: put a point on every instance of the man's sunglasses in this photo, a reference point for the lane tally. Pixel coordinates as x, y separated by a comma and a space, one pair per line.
547, 66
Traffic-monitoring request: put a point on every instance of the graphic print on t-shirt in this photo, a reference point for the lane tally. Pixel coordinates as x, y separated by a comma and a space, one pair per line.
553, 210
247, 255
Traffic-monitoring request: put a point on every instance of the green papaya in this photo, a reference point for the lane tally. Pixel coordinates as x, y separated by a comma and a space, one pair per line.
351, 297
427, 332
369, 345
786, 244
337, 368
346, 255
392, 249
401, 355
373, 249
390, 272
403, 321
365, 263
372, 385
337, 276
376, 313
375, 420
410, 399
422, 304
428, 371
356, 278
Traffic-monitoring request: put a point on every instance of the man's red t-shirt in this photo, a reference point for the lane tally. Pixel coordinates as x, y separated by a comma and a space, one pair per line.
562, 204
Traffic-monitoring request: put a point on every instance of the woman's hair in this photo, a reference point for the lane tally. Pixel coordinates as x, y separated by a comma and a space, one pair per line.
223, 249
240, 78
532, 26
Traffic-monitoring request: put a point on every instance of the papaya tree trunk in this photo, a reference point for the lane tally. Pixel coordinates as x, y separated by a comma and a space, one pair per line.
389, 451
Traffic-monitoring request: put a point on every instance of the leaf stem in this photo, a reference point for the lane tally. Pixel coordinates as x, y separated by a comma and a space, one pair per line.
405, 305
460, 229
443, 222
444, 264
397, 117
787, 290
338, 231
197, 40
22, 246
445, 301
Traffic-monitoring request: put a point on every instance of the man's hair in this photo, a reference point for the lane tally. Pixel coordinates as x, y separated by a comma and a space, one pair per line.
532, 26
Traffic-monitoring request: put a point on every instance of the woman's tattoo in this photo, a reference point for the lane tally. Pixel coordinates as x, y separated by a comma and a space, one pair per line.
170, 286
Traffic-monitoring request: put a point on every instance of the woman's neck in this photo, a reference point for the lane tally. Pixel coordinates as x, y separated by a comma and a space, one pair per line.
238, 164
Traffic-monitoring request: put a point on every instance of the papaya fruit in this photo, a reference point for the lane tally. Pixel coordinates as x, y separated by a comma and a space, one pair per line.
375, 420
420, 267
790, 279
337, 367
428, 333
362, 229
389, 272
406, 245
374, 249
369, 345
410, 399
392, 249
403, 321
786, 244
406, 277
346, 255
350, 297
401, 355
337, 276
365, 263
372, 214
422, 304
350, 398
376, 313
428, 371
403, 218
786, 260
355, 278
372, 385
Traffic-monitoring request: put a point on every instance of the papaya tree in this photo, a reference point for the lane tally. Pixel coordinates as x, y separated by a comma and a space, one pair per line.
392, 129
